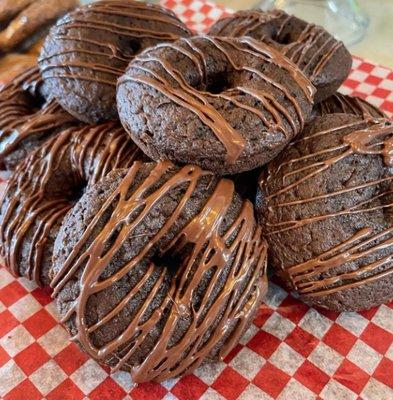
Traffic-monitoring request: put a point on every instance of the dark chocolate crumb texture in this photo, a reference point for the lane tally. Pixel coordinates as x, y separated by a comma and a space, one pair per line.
317, 53
326, 207
26, 120
47, 184
226, 104
90, 48
159, 268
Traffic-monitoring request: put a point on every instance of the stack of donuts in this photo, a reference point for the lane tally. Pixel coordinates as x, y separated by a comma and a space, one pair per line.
156, 175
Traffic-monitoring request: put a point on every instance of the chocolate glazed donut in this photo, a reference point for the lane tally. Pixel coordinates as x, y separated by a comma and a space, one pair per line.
45, 186
226, 104
326, 207
318, 54
90, 48
25, 121
159, 268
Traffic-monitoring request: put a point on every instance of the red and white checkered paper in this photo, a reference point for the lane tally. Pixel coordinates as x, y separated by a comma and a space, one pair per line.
290, 352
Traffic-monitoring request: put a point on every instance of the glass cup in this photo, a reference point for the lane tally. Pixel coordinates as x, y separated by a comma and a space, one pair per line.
343, 18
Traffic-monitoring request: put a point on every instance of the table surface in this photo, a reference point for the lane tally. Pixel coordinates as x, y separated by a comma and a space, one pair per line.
377, 43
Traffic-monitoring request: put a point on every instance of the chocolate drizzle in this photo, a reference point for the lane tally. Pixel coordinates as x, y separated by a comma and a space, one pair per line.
162, 75
21, 120
355, 248
311, 49
239, 250
34, 201
324, 274
104, 61
340, 103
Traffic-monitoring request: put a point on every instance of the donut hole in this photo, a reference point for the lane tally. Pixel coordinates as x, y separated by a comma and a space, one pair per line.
129, 46
284, 39
218, 83
33, 102
63, 188
77, 192
170, 261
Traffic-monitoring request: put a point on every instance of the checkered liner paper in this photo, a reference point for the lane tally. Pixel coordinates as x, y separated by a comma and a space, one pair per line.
291, 351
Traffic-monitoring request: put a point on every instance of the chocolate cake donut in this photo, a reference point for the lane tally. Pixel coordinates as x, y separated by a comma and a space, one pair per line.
90, 48
226, 104
26, 22
45, 186
159, 268
26, 120
326, 207
341, 103
318, 54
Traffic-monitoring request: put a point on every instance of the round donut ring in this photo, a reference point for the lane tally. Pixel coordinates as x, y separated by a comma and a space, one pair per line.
25, 122
45, 186
226, 104
90, 48
318, 54
165, 271
326, 208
